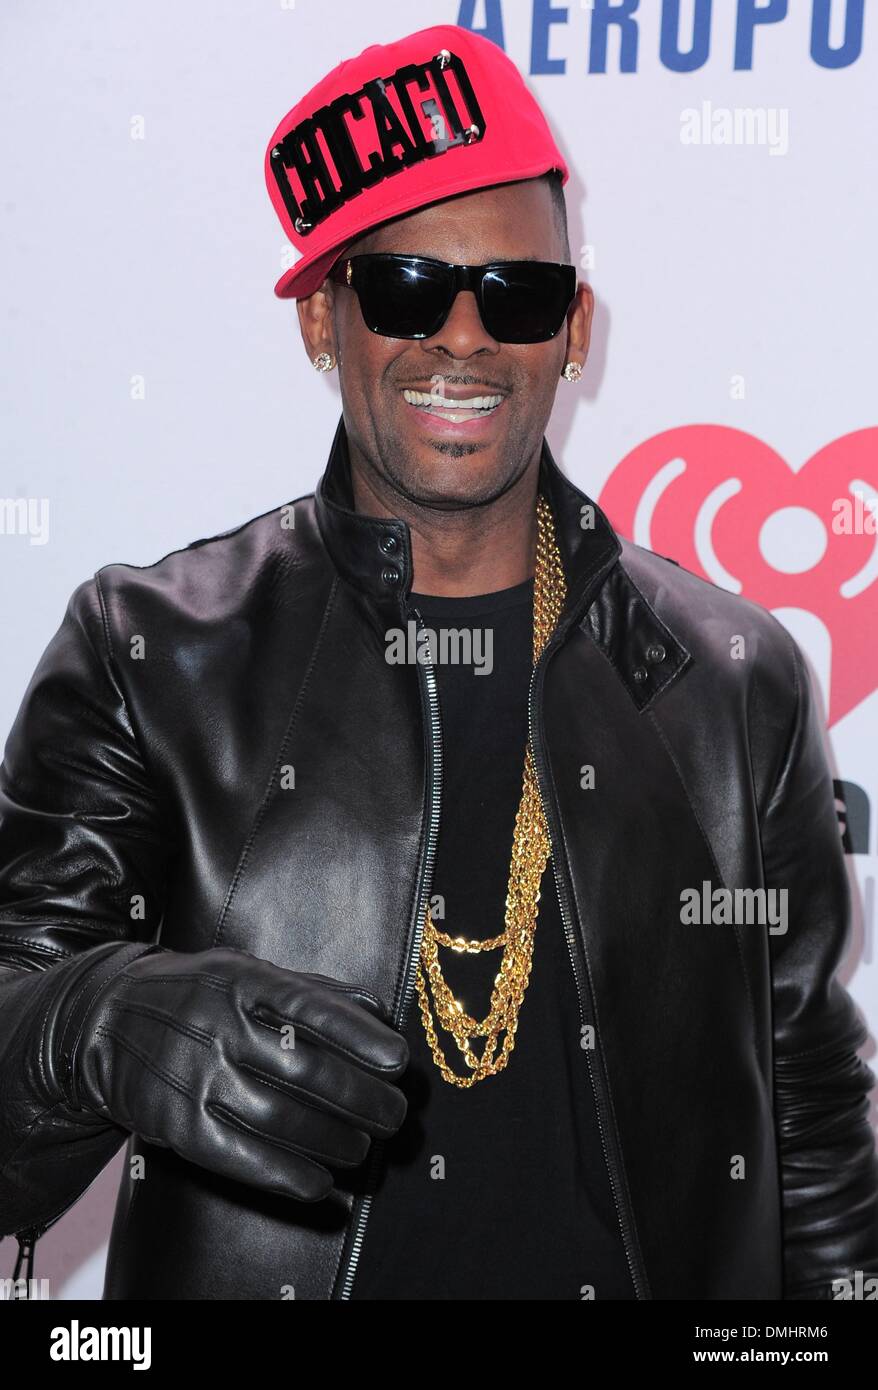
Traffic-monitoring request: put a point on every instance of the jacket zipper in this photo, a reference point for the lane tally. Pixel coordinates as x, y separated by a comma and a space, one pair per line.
428, 688
425, 884
26, 1242
573, 951
28, 1238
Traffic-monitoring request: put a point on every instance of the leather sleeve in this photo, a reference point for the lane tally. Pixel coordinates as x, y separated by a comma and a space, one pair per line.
829, 1169
83, 858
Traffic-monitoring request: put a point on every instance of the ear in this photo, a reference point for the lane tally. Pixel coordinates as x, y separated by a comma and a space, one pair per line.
317, 320
580, 316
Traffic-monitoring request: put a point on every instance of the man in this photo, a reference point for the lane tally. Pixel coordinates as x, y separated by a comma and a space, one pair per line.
258, 910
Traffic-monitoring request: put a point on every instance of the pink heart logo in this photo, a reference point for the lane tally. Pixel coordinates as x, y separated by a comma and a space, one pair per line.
729, 508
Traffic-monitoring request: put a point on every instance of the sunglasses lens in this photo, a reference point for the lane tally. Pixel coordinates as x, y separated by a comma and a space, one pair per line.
403, 297
409, 297
527, 301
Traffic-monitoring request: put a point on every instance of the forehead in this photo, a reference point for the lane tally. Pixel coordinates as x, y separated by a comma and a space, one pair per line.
512, 221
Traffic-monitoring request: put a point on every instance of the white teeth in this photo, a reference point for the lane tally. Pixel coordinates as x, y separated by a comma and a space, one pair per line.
439, 402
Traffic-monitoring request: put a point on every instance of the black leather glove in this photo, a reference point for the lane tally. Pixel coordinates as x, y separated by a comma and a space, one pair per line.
261, 1074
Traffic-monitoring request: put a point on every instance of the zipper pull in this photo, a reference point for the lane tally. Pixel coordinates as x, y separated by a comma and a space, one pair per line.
26, 1242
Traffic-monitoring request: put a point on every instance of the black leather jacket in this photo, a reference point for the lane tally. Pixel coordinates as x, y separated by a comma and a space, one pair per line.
715, 1044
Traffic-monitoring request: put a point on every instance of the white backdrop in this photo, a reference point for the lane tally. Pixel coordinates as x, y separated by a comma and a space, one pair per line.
154, 391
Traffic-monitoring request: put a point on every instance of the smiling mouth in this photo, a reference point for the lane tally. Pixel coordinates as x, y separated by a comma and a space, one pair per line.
457, 412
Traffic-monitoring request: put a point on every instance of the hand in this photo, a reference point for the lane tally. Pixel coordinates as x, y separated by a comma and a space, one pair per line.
261, 1074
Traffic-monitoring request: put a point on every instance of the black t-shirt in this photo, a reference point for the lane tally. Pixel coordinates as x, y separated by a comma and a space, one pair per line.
498, 1191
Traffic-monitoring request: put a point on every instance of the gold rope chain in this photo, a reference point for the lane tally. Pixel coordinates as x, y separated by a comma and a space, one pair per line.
531, 849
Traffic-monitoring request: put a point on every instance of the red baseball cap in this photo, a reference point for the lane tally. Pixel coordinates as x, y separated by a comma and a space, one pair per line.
405, 124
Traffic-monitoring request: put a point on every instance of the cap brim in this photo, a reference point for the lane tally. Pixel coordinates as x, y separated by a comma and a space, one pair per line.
308, 274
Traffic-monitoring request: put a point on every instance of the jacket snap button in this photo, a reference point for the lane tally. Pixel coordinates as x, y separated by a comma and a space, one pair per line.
390, 574
640, 673
388, 543
656, 652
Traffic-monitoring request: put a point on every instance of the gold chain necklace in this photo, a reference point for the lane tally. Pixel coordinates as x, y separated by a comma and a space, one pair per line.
531, 848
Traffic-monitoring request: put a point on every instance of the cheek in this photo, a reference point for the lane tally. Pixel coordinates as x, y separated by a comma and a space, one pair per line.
357, 345
367, 378
539, 363
540, 373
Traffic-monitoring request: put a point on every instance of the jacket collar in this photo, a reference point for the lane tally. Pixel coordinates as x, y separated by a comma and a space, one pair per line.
374, 553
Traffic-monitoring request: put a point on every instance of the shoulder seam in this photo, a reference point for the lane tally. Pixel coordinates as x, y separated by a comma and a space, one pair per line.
206, 540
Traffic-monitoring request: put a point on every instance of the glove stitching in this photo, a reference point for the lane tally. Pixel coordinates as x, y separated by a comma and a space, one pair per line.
313, 1101
189, 1030
213, 981
41, 1053
88, 981
226, 1116
163, 1073
224, 985
310, 1032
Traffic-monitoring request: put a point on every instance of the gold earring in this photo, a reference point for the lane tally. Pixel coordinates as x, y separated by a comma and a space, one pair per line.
324, 362
572, 371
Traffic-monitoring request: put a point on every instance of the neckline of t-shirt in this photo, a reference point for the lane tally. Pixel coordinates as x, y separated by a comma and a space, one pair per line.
434, 604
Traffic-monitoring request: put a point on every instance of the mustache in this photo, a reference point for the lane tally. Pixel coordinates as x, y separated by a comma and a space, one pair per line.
437, 383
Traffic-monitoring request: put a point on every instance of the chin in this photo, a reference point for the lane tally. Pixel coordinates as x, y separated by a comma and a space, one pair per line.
448, 487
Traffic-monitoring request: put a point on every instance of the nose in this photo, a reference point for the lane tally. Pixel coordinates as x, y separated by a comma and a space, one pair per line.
463, 332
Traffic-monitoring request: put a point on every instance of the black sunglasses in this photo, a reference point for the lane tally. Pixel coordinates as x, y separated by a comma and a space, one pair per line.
411, 296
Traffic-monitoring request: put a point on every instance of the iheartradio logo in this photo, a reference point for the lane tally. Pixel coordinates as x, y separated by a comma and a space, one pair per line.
729, 508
